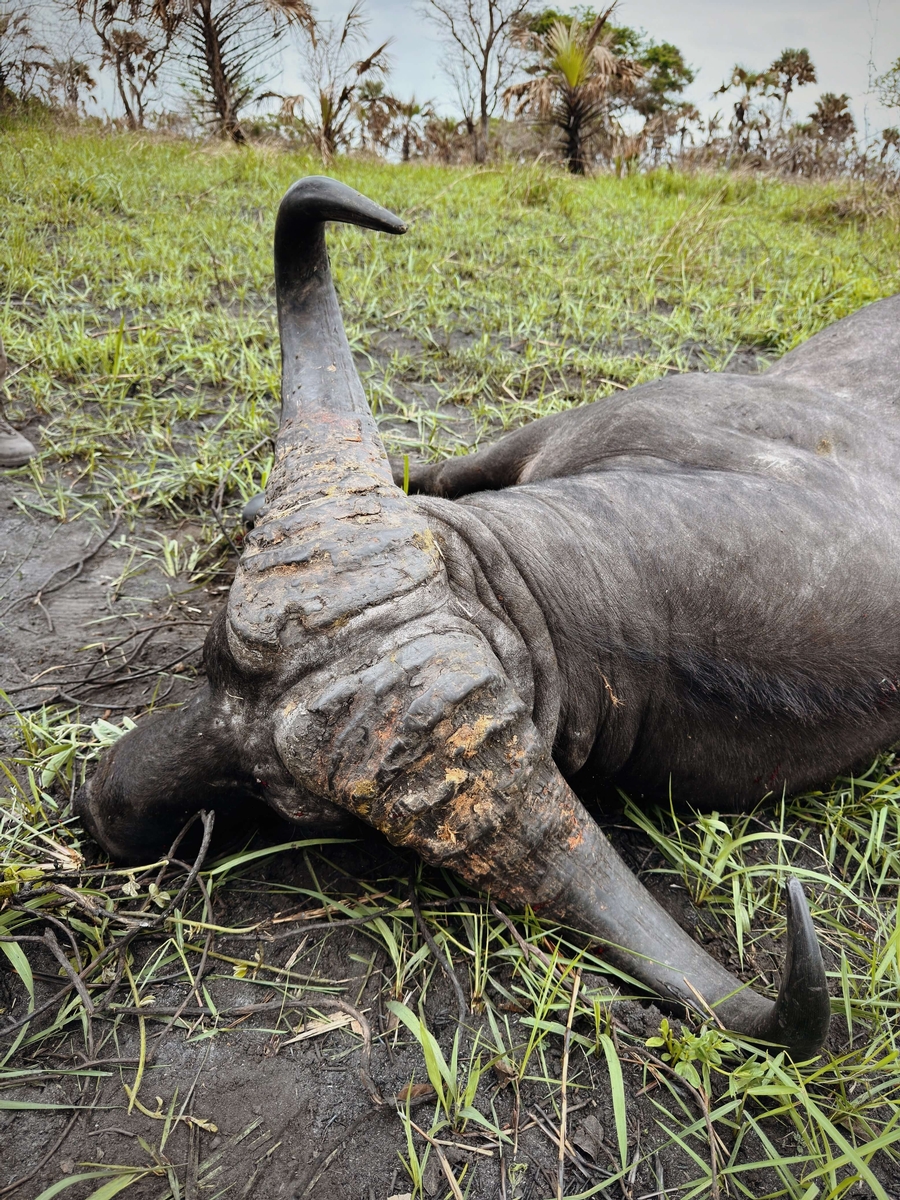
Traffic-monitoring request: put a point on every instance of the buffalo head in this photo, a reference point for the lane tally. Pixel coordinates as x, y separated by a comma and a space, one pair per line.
347, 677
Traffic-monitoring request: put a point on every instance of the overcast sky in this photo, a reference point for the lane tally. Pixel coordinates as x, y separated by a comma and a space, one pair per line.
846, 39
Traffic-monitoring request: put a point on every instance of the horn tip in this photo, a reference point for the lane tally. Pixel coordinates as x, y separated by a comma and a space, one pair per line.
803, 1009
318, 198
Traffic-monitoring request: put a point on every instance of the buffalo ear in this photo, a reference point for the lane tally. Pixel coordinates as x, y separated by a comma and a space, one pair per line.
160, 774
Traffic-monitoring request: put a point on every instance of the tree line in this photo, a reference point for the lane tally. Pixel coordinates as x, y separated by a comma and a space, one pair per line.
575, 87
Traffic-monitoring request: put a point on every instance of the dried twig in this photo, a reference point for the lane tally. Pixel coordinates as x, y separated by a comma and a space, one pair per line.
529, 950
262, 930
90, 678
77, 983
204, 957
365, 1063
539, 1120
156, 670
225, 534
442, 1159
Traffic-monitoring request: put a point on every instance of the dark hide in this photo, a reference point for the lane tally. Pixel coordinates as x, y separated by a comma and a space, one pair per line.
716, 559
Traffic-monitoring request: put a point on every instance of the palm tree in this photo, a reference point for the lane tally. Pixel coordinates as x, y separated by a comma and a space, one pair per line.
68, 78
408, 127
832, 120
338, 80
792, 68
577, 73
445, 137
375, 111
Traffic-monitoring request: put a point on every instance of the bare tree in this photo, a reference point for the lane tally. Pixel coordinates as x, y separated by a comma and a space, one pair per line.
751, 115
677, 121
481, 55
22, 58
222, 43
343, 83
409, 128
135, 38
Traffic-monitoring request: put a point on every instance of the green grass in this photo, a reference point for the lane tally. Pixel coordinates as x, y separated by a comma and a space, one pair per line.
136, 294
137, 284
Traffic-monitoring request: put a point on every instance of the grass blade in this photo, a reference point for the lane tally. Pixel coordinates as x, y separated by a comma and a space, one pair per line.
617, 1084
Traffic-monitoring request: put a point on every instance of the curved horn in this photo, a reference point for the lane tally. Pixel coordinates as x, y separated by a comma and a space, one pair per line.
432, 745
158, 775
602, 896
318, 374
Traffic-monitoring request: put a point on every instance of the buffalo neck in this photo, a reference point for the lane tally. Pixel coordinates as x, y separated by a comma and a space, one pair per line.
521, 603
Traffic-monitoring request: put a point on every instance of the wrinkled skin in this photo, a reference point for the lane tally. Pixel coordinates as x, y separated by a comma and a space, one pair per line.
694, 581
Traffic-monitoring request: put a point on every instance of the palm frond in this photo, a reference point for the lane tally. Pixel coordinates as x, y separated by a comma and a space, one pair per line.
594, 32
294, 12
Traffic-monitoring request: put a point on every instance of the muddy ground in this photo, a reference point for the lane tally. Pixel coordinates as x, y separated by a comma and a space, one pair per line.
279, 1111
255, 1111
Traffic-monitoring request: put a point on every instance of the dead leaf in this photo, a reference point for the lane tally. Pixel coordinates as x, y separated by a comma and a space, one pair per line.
505, 1072
202, 1123
431, 1176
323, 1025
589, 1138
414, 1093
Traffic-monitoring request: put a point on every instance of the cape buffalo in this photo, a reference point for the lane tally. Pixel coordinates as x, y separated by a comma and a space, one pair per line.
694, 583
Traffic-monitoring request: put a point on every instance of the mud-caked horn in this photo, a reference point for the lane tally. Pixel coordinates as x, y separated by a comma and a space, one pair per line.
216, 751
332, 515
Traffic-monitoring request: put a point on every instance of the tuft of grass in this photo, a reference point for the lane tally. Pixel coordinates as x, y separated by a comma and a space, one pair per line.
136, 296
